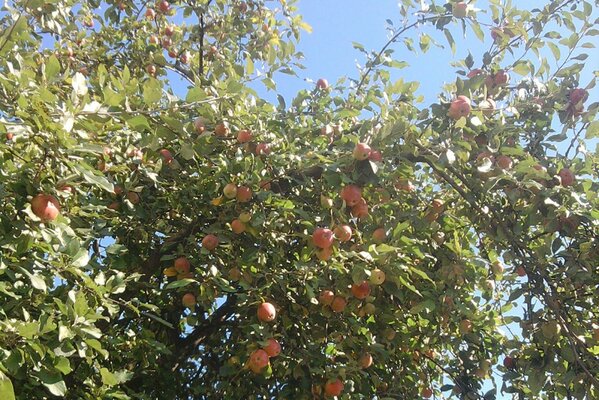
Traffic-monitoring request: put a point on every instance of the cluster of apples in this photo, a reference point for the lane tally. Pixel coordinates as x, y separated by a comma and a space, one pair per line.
260, 358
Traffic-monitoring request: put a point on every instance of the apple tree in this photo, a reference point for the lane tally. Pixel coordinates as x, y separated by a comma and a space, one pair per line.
168, 232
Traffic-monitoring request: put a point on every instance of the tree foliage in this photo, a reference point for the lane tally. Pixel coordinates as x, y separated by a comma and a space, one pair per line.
153, 203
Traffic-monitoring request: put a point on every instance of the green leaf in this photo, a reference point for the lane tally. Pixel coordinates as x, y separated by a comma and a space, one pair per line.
38, 282
592, 130
152, 91
52, 67
53, 381
7, 391
108, 377
97, 180
179, 284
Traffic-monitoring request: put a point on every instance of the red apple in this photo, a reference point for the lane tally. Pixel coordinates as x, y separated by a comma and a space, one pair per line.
199, 125
167, 156
184, 58
169, 30
567, 177
150, 13
258, 360
230, 190
244, 136
474, 72
151, 69
465, 326
459, 108
182, 265
333, 387
578, 96
237, 226
133, 197
361, 151
509, 362
375, 156
326, 297
164, 6
262, 149
322, 84
351, 194
210, 242
520, 271
365, 360
360, 290
360, 210
338, 304
324, 254
45, 207
427, 393
244, 194
188, 300
323, 238
501, 78
272, 348
343, 233
10, 135
504, 162
221, 129
166, 42
379, 235
266, 312
460, 10
154, 39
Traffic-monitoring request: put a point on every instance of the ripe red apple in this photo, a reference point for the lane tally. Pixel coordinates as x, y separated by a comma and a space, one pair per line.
150, 13
360, 290
375, 156
243, 7
10, 135
244, 136
230, 190
154, 39
266, 312
114, 205
509, 362
237, 226
323, 238
244, 194
166, 42
460, 107
188, 300
151, 69
365, 360
338, 304
379, 235
122, 6
567, 177
167, 156
164, 6
182, 265
360, 210
324, 254
258, 360
322, 84
361, 151
273, 348
326, 297
333, 387
210, 242
262, 149
578, 96
426, 393
45, 207
133, 197
221, 129
199, 125
460, 10
172, 53
343, 233
474, 72
184, 58
504, 162
377, 277
351, 194
520, 271
465, 326
169, 30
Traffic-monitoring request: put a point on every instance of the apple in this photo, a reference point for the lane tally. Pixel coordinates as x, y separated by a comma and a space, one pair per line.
150, 13
167, 42
45, 207
88, 22
377, 277
360, 290
361, 151
497, 267
234, 274
460, 107
465, 326
169, 30
521, 271
379, 235
230, 190
237, 226
343, 233
437, 206
375, 156
221, 129
351, 194
10, 135
272, 348
338, 304
360, 210
172, 53
154, 39
114, 205
182, 265
266, 312
244, 136
151, 69
324, 254
210, 242
244, 194
578, 96
262, 149
164, 6
426, 393
243, 7
474, 72
323, 238
167, 155
501, 78
566, 176
333, 387
509, 362
551, 330
122, 6
497, 33
504, 162
245, 217
326, 297
133, 197
258, 360
199, 125
326, 202
322, 84
365, 360
188, 300
460, 10
184, 58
